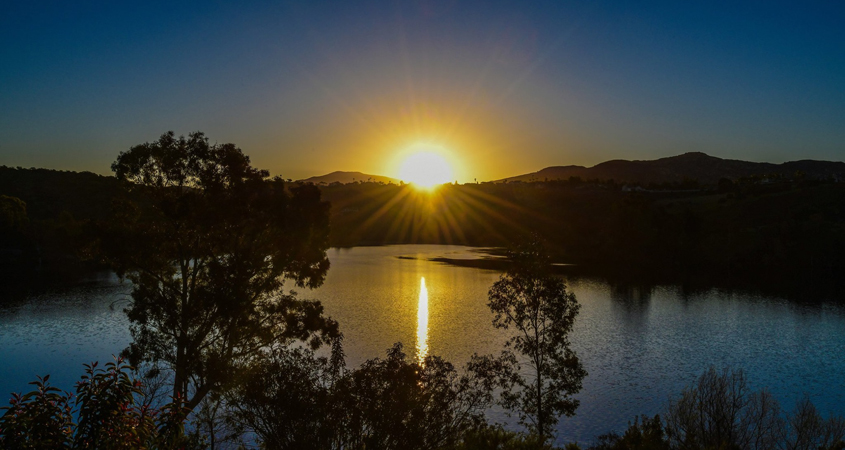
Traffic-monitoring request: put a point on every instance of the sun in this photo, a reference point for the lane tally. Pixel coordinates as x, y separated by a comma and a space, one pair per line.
425, 169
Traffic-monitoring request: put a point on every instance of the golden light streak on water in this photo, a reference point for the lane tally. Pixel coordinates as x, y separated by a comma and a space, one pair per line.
422, 323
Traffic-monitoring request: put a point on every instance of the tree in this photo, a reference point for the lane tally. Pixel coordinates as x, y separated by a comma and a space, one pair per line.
296, 400
290, 400
408, 405
720, 410
538, 306
208, 242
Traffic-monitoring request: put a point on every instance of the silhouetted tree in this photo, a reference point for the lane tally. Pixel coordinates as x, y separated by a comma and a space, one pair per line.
806, 429
208, 248
405, 405
538, 306
295, 400
721, 411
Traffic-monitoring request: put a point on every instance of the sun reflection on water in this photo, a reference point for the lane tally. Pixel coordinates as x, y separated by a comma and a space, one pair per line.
422, 322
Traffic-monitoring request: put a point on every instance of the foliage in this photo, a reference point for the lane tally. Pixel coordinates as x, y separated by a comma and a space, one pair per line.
39, 419
289, 401
53, 239
496, 438
295, 400
537, 305
414, 405
720, 412
208, 242
643, 434
108, 416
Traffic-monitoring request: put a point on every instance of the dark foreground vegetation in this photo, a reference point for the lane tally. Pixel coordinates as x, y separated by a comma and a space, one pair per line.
225, 355
300, 401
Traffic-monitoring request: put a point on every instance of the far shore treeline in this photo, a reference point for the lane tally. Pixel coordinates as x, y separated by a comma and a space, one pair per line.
745, 231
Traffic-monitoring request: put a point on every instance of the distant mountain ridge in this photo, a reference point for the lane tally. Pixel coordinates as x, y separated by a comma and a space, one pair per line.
694, 166
348, 177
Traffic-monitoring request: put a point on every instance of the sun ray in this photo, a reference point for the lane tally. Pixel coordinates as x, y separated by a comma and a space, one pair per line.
386, 206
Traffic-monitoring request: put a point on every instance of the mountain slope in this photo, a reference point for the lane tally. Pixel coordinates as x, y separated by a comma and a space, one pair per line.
348, 177
697, 166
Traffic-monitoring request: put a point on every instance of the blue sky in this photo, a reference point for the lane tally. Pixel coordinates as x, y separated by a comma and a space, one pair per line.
306, 88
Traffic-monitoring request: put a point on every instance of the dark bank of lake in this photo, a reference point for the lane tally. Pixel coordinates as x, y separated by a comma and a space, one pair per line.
639, 345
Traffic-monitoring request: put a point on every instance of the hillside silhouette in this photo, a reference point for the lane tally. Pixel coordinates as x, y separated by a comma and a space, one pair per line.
753, 232
349, 177
59, 209
741, 227
698, 166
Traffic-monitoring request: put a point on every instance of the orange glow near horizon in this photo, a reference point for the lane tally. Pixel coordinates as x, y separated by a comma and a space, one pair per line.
425, 166
425, 170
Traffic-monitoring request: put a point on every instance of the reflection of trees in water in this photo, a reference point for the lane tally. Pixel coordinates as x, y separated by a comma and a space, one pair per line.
631, 302
631, 295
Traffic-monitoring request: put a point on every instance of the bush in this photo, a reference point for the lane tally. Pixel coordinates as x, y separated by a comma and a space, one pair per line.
295, 400
496, 438
108, 415
39, 419
644, 434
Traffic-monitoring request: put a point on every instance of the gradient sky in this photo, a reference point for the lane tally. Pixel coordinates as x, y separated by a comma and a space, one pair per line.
306, 88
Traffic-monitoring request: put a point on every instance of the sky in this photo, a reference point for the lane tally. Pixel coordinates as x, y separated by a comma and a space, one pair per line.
500, 88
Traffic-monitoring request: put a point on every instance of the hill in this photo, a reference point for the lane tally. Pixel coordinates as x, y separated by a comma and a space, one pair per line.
348, 177
692, 166
55, 232
787, 230
786, 237
49, 193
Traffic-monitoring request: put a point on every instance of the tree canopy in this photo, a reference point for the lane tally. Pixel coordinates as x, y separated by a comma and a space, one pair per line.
537, 305
208, 242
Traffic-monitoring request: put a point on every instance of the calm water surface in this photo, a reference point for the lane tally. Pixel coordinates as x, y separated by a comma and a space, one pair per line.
639, 345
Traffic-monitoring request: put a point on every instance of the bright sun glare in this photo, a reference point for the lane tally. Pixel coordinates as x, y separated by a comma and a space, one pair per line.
426, 170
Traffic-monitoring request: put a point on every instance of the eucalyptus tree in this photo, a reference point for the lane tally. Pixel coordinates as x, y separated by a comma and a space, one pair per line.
209, 242
535, 304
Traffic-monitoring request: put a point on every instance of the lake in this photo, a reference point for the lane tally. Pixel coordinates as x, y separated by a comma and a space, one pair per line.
639, 345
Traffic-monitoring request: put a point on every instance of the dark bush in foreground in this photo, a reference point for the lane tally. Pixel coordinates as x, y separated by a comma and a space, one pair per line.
299, 401
496, 438
108, 416
296, 401
644, 434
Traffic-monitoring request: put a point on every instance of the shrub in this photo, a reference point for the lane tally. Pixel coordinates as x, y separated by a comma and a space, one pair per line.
109, 417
